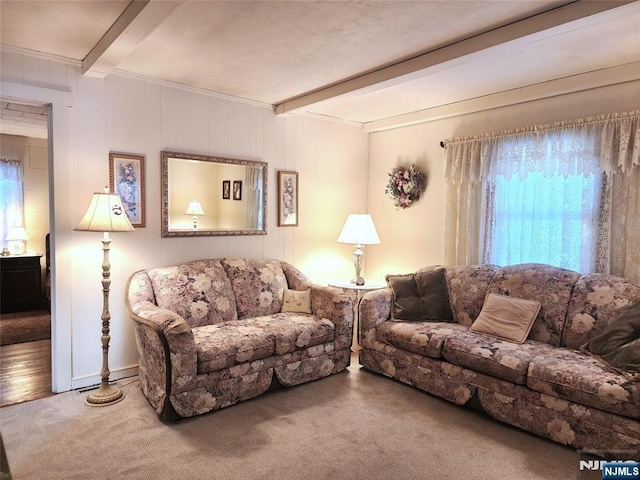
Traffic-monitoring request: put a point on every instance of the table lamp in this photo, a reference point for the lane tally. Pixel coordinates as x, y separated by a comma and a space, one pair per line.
359, 230
16, 237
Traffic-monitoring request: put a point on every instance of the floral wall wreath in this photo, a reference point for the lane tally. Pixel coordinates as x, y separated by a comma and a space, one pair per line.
406, 185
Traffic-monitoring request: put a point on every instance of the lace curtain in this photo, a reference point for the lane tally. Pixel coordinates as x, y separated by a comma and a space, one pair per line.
253, 194
607, 145
11, 197
545, 219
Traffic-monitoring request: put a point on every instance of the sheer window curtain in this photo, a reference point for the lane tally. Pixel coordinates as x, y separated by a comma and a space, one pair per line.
605, 147
253, 195
11, 197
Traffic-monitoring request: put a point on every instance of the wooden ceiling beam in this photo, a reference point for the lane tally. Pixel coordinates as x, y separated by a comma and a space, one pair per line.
137, 21
525, 30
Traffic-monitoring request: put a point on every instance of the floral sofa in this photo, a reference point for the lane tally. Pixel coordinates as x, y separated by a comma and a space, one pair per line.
546, 385
211, 333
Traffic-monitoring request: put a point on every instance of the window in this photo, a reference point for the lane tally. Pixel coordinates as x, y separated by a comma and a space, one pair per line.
508, 190
545, 220
11, 197
542, 204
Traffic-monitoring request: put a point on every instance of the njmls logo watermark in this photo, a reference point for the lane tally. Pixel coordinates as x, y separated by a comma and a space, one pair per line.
609, 465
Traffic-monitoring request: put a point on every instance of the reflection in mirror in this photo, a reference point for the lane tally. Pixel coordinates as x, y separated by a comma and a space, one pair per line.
203, 195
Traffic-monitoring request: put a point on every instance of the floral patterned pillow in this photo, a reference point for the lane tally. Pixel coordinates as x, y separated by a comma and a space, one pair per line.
259, 285
200, 292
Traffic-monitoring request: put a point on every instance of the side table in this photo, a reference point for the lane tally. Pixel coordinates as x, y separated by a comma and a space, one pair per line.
356, 292
20, 283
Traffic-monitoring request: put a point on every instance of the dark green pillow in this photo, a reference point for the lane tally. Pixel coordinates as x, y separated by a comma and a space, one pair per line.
619, 343
420, 296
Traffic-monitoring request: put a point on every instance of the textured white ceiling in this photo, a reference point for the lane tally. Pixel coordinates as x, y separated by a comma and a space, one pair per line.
275, 51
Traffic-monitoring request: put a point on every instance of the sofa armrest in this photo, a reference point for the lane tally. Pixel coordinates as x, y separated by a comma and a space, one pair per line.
375, 308
335, 305
179, 348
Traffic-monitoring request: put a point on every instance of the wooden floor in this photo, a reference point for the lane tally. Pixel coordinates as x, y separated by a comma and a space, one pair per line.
25, 372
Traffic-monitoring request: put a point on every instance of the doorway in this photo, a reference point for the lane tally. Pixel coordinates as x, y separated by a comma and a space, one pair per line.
25, 316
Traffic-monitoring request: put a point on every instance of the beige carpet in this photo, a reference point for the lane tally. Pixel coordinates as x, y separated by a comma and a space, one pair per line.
24, 327
355, 425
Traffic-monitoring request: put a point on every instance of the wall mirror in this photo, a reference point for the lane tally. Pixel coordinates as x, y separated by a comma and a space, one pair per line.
206, 196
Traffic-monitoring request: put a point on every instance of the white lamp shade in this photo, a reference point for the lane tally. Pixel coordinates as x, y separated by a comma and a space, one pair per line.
17, 233
359, 230
105, 214
194, 208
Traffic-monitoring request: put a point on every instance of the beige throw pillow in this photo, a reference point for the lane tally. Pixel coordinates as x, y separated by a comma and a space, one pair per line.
296, 301
506, 317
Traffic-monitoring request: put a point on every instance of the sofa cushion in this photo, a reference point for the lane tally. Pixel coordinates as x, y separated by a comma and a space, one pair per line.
506, 317
492, 356
296, 301
423, 338
596, 302
258, 285
551, 286
420, 296
619, 344
467, 289
200, 292
230, 343
582, 379
295, 331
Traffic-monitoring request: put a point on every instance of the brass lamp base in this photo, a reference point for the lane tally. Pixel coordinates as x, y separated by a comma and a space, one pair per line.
104, 396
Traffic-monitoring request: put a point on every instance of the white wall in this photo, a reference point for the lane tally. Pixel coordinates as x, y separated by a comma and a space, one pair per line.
133, 116
413, 238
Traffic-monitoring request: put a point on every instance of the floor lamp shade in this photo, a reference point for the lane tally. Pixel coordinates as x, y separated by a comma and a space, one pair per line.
359, 230
105, 214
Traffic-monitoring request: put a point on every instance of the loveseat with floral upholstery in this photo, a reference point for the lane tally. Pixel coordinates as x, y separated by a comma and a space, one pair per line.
211, 333
550, 384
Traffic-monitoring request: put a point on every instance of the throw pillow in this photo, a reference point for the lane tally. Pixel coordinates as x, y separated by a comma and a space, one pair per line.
420, 296
296, 301
619, 344
506, 317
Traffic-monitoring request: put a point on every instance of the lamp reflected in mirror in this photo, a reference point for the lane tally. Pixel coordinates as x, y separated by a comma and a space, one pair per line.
195, 209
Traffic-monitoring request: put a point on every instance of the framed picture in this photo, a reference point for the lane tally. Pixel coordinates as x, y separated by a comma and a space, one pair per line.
237, 189
126, 178
287, 199
226, 189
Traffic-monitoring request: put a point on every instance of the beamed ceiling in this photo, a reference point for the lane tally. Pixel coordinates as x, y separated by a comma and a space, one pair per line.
381, 64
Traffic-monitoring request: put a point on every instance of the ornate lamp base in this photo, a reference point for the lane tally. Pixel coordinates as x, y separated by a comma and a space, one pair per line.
105, 395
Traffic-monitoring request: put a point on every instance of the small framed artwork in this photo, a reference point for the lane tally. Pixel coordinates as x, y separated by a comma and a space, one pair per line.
226, 189
287, 198
237, 189
126, 178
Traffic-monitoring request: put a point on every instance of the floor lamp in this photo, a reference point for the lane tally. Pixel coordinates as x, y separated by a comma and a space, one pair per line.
105, 214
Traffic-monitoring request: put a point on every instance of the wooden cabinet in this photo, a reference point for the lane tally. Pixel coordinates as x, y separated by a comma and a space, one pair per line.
20, 283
